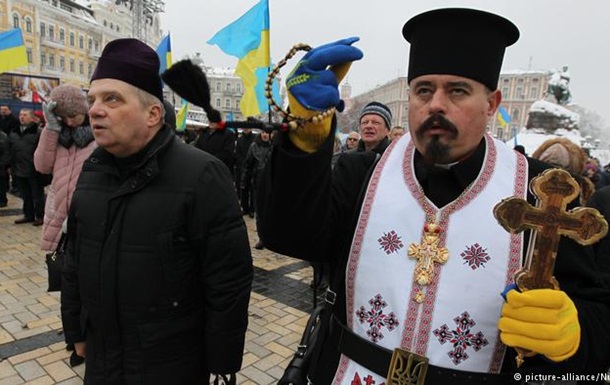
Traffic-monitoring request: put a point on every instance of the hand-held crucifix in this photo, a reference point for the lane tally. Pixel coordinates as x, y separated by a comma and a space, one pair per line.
554, 188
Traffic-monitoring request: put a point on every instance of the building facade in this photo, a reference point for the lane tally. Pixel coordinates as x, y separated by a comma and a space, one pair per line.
520, 89
64, 38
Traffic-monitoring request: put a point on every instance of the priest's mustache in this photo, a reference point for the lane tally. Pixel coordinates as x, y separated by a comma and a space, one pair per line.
437, 121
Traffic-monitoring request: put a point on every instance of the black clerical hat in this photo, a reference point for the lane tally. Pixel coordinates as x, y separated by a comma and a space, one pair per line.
133, 62
459, 41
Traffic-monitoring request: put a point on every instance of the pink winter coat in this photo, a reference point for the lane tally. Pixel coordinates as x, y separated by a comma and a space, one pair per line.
65, 164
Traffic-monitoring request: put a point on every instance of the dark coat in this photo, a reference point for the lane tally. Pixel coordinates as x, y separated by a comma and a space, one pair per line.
241, 147
22, 146
308, 213
255, 162
5, 155
158, 272
8, 123
220, 143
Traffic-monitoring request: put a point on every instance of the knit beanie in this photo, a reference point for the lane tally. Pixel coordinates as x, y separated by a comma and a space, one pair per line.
379, 109
71, 101
133, 62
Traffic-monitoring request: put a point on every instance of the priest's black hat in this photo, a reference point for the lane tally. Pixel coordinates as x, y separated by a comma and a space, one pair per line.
459, 41
133, 62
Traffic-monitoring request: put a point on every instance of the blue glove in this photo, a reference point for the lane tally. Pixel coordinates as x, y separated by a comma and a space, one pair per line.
315, 80
313, 87
50, 117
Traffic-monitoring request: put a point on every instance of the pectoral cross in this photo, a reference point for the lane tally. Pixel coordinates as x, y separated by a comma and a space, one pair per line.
554, 188
427, 254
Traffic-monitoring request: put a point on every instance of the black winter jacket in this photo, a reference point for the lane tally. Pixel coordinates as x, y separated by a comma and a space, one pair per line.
158, 271
21, 147
220, 143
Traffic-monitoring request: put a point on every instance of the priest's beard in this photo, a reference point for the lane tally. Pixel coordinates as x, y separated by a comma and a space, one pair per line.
437, 151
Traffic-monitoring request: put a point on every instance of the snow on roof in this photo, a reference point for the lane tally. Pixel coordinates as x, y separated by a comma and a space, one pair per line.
524, 72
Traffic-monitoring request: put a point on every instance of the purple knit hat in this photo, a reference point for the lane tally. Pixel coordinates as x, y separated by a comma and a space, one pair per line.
133, 62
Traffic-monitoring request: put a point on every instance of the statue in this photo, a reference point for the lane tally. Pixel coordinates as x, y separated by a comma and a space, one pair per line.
559, 87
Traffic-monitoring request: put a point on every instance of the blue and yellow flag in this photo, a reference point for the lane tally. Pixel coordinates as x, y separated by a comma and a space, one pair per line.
12, 50
164, 51
247, 38
503, 117
181, 116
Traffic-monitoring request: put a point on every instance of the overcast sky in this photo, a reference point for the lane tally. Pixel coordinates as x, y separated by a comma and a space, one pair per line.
554, 33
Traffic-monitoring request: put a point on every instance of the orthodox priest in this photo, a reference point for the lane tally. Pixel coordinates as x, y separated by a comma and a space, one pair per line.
419, 261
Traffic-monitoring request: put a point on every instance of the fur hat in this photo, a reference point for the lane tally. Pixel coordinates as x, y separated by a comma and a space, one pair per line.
133, 62
378, 109
564, 153
70, 101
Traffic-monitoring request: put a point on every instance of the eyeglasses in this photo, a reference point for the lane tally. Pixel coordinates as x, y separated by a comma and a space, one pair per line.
354, 139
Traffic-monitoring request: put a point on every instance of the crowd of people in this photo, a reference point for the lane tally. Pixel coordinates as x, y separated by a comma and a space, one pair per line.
158, 268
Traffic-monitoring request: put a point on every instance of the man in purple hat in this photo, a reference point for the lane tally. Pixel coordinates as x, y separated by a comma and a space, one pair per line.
418, 258
158, 270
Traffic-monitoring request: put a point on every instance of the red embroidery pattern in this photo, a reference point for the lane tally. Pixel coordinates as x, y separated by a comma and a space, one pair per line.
376, 319
368, 380
475, 256
390, 242
461, 338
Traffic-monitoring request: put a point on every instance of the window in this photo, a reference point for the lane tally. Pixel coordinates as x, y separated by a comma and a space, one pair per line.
228, 104
118, 29
89, 69
28, 51
97, 45
111, 25
72, 39
238, 88
15, 20
62, 63
505, 80
28, 25
228, 87
51, 32
43, 59
72, 65
62, 35
43, 30
105, 23
81, 68
535, 80
520, 93
520, 80
533, 92
90, 45
51, 60
218, 86
237, 104
81, 42
217, 102
505, 92
515, 115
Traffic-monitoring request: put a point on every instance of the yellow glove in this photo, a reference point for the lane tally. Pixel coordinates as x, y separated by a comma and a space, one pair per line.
313, 88
543, 321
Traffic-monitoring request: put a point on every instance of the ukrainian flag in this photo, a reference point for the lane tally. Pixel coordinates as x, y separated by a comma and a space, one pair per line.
164, 51
247, 38
503, 117
12, 50
181, 116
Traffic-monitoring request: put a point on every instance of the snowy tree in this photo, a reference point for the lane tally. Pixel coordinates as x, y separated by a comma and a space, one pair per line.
592, 124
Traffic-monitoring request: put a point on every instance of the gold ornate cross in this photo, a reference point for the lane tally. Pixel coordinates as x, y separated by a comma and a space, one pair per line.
554, 188
427, 254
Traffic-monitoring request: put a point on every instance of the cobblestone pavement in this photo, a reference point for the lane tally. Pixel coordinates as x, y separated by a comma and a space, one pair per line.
32, 350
